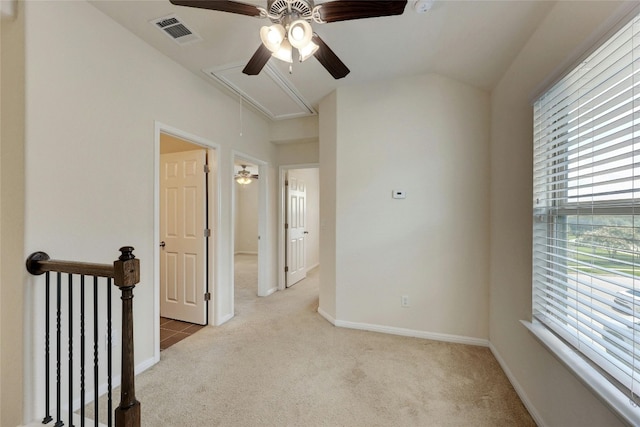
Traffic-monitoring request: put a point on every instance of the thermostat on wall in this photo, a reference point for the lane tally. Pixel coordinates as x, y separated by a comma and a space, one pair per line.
399, 194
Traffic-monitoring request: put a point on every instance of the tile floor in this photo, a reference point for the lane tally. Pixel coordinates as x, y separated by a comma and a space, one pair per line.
172, 331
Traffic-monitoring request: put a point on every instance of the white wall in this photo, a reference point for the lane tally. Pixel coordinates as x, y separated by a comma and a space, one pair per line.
91, 109
429, 136
327, 134
298, 153
12, 271
246, 218
294, 130
554, 396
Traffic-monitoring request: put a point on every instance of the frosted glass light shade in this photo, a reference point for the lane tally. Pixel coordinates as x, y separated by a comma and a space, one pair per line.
285, 52
272, 37
300, 33
307, 51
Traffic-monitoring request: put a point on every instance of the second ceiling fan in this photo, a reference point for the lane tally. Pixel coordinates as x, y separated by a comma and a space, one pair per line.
291, 30
245, 176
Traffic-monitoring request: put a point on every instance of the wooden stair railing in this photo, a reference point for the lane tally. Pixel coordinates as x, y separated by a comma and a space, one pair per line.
125, 273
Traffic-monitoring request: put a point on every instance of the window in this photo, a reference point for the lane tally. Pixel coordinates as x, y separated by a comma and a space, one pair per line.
586, 231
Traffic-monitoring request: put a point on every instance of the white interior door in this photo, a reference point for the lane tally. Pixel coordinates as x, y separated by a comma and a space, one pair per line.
182, 236
295, 229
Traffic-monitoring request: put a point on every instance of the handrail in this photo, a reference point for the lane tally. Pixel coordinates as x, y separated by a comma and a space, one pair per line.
39, 263
125, 273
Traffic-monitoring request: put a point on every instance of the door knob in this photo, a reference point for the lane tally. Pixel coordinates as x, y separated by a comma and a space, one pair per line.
163, 244
306, 232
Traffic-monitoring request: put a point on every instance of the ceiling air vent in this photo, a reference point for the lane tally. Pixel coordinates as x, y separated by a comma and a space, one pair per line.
176, 30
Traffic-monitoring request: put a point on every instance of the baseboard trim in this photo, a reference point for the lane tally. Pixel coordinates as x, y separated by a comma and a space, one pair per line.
518, 388
269, 292
102, 390
413, 333
224, 319
326, 315
141, 367
316, 265
457, 339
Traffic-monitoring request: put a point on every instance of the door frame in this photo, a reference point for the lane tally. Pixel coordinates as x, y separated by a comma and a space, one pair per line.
282, 218
213, 217
263, 220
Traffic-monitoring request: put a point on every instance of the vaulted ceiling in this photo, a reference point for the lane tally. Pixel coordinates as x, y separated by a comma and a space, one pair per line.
471, 41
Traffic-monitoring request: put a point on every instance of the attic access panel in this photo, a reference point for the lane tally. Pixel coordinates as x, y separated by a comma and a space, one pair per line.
270, 92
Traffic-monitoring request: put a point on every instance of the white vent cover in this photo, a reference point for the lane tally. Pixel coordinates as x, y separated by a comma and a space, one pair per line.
176, 30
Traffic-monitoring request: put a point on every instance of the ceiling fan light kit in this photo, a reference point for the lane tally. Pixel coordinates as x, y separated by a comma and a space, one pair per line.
243, 180
244, 177
292, 29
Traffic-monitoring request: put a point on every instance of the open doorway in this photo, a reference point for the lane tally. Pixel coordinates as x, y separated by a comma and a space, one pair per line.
185, 211
250, 241
246, 235
299, 223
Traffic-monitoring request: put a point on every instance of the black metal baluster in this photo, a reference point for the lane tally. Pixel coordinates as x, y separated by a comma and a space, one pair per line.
125, 273
109, 357
82, 344
95, 349
47, 418
70, 296
59, 422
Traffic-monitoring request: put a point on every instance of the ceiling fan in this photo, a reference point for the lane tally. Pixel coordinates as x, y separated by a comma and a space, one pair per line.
291, 27
244, 176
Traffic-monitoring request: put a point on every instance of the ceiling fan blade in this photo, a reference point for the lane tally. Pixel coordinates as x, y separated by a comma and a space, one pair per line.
220, 5
257, 61
358, 9
329, 60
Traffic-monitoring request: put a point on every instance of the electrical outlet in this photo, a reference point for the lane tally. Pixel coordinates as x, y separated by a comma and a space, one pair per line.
404, 301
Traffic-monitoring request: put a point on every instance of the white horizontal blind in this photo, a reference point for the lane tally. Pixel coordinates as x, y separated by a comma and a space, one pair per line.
586, 234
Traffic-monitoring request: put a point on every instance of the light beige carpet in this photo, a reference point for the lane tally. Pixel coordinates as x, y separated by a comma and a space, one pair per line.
279, 363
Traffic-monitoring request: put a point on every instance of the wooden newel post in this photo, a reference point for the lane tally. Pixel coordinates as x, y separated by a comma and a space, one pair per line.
126, 275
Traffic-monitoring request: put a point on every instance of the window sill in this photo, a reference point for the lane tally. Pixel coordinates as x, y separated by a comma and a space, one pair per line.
610, 395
